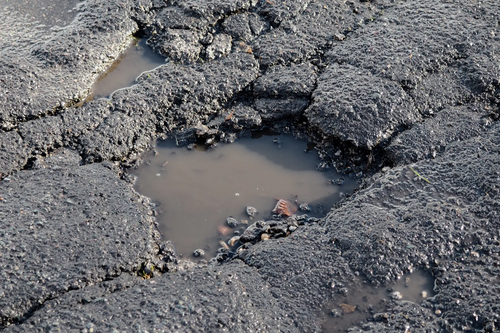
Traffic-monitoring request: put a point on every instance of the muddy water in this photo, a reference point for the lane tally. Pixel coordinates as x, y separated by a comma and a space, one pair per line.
198, 190
138, 58
47, 12
368, 300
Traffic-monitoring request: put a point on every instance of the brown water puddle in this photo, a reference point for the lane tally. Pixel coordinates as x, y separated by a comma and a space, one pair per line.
362, 302
47, 12
198, 190
137, 59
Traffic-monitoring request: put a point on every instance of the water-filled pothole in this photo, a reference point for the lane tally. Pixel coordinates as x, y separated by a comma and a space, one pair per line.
47, 12
137, 59
361, 303
199, 190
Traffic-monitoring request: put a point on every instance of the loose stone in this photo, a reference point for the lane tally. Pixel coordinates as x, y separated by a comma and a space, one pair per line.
380, 316
284, 207
396, 295
232, 222
199, 253
223, 245
304, 207
336, 313
347, 308
251, 211
339, 37
233, 240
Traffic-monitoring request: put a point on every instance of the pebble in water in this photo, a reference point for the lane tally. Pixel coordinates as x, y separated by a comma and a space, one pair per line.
284, 208
251, 211
232, 222
396, 295
233, 240
304, 207
199, 253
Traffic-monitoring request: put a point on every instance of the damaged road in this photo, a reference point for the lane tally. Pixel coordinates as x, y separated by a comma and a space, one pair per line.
403, 95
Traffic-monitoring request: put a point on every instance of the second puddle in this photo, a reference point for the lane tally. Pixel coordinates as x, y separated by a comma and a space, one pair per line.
198, 190
360, 303
137, 59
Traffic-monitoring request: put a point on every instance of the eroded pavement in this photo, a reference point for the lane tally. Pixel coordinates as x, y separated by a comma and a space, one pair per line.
402, 94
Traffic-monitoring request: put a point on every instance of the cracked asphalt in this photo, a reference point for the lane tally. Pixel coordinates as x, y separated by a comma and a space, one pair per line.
404, 95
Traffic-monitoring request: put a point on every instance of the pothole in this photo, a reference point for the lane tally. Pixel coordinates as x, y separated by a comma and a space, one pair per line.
137, 59
203, 195
352, 306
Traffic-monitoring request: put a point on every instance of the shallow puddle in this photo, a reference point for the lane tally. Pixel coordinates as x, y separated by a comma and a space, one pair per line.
198, 190
362, 302
137, 59
47, 12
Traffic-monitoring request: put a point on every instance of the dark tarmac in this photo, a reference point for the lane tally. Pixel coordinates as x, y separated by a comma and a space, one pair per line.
404, 95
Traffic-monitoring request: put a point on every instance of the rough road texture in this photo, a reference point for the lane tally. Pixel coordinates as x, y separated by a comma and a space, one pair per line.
405, 94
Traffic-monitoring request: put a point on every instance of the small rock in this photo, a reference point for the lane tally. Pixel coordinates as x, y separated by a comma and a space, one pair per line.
252, 232
336, 313
292, 228
380, 316
233, 240
201, 129
265, 236
199, 253
396, 295
229, 138
339, 37
424, 294
347, 308
232, 222
251, 211
304, 207
284, 208
224, 246
438, 312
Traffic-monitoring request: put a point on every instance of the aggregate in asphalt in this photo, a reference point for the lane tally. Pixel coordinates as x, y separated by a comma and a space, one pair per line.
403, 94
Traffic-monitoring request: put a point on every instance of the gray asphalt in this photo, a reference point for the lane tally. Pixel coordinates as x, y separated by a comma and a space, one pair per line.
404, 95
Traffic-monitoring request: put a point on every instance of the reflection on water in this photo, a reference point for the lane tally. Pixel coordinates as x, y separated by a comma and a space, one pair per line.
363, 301
138, 58
47, 12
199, 190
